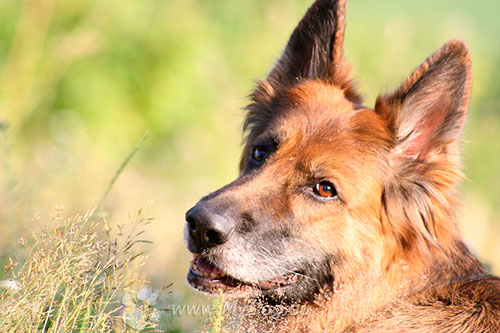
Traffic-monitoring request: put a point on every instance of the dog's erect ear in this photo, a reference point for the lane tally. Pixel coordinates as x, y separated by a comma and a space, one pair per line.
428, 111
315, 50
426, 115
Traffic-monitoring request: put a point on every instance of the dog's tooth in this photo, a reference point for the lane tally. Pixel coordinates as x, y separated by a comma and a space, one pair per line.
204, 274
213, 275
195, 269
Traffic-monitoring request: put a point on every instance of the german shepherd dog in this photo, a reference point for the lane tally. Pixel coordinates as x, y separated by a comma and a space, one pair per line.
345, 210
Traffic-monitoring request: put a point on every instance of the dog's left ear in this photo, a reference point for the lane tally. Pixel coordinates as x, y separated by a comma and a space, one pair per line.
427, 112
426, 115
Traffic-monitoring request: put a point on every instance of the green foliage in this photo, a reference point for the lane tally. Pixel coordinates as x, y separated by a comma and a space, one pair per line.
87, 72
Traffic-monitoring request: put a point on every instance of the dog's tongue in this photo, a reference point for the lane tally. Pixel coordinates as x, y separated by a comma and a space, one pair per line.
206, 267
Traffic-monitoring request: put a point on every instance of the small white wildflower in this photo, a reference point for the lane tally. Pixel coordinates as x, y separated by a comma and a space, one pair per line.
11, 284
153, 298
134, 318
144, 293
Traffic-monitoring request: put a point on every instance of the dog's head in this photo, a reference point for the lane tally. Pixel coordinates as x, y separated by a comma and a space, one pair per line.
329, 188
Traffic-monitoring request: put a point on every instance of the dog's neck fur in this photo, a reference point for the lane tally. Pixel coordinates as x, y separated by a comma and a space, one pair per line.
369, 297
363, 301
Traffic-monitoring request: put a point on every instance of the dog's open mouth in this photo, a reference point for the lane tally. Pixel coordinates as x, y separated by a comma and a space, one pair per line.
206, 277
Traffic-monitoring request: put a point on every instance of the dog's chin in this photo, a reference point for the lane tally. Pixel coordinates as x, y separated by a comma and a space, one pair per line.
208, 278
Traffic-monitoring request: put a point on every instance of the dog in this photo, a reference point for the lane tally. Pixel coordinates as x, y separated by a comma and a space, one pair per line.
344, 210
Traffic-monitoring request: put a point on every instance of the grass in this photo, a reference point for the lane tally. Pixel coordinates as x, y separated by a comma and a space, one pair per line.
218, 317
71, 277
120, 170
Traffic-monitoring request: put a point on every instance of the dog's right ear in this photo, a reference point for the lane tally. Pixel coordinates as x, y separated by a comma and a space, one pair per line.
315, 51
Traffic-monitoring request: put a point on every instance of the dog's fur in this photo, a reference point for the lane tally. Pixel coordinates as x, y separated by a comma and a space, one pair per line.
382, 250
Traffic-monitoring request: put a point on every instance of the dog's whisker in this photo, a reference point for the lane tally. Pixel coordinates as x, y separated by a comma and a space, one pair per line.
279, 267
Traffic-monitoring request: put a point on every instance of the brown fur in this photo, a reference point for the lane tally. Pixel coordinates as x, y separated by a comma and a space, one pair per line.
384, 253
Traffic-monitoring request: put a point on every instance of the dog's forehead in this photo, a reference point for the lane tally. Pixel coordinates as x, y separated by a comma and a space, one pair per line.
316, 100
317, 112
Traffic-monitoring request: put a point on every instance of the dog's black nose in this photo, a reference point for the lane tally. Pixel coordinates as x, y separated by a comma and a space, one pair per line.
207, 229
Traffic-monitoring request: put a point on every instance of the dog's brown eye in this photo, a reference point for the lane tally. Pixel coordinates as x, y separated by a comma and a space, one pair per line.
259, 154
325, 189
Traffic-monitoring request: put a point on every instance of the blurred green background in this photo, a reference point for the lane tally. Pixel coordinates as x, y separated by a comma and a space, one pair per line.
82, 80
